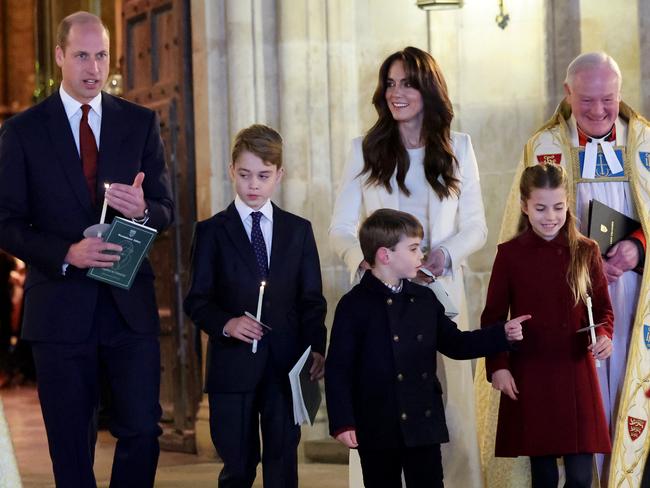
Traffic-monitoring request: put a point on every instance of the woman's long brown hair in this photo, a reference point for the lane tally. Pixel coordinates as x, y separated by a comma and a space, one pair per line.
552, 176
383, 148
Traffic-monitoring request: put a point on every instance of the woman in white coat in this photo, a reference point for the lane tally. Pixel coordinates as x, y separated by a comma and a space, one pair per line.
410, 160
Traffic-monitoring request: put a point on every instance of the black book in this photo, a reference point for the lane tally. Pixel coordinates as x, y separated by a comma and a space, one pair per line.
305, 393
608, 226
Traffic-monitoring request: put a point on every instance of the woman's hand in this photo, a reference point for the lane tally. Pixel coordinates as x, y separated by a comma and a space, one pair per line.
503, 381
435, 262
422, 278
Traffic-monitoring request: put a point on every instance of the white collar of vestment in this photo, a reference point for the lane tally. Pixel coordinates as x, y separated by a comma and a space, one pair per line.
591, 151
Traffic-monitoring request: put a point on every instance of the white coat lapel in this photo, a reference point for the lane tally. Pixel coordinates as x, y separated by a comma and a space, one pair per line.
376, 196
442, 215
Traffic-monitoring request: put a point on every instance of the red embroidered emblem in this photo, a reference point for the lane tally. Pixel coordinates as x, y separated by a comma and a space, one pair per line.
635, 427
549, 158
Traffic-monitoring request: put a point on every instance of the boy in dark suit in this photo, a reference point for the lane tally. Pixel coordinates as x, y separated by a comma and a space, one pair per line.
250, 242
383, 396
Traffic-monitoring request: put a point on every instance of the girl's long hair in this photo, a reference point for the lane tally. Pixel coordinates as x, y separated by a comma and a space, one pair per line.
552, 176
383, 149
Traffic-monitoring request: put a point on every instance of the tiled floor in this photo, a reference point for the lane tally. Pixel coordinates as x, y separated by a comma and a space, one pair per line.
174, 469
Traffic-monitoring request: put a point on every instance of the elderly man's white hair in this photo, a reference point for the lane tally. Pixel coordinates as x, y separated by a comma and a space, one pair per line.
589, 61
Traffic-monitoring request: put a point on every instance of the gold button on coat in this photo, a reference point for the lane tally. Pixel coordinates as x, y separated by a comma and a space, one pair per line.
425, 375
389, 301
404, 416
420, 337
396, 338
427, 413
400, 377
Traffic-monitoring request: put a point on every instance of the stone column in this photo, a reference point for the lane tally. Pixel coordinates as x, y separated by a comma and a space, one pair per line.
305, 117
612, 26
563, 43
644, 51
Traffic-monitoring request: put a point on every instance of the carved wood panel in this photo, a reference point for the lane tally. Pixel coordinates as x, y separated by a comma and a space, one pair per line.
17, 56
156, 60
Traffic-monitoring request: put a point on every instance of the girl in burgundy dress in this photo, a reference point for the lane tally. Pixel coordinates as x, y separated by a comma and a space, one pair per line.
550, 402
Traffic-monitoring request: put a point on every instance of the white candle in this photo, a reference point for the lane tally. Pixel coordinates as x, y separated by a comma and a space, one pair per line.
592, 330
258, 315
105, 206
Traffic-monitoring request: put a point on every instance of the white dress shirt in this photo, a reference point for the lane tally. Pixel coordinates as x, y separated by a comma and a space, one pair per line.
73, 111
266, 222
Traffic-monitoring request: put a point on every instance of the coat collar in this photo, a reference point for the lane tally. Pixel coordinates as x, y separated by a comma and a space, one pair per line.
372, 284
530, 238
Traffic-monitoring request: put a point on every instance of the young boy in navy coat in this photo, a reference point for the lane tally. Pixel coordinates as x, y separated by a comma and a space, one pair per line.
250, 242
383, 396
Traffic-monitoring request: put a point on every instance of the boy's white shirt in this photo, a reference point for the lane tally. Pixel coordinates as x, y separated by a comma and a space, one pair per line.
266, 222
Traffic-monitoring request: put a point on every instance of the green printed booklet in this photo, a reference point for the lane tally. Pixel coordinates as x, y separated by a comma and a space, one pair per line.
135, 239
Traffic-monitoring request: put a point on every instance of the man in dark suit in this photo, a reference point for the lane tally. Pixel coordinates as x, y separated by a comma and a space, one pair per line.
250, 242
54, 158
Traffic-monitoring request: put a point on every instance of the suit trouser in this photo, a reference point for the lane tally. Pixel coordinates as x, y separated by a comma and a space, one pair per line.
235, 420
68, 388
382, 468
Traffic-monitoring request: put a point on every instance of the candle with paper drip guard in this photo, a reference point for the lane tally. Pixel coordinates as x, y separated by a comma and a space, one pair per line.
258, 315
592, 326
105, 206
97, 230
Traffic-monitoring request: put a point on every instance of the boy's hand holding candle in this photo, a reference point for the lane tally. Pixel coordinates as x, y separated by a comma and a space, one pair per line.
243, 328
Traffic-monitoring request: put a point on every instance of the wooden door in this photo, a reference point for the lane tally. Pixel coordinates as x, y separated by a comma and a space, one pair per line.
157, 71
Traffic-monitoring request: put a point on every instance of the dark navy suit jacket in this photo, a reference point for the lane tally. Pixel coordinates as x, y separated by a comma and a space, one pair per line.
45, 205
225, 284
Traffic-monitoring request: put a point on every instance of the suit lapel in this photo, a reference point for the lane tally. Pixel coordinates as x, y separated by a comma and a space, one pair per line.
235, 229
280, 242
114, 129
376, 196
60, 132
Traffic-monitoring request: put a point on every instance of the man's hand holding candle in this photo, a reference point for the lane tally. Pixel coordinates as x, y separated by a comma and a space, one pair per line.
91, 253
